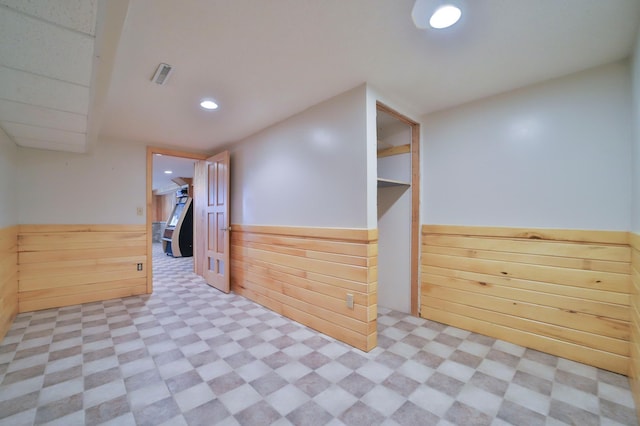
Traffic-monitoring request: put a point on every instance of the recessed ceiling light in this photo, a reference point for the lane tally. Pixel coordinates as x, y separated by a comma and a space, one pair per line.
208, 104
445, 16
167, 172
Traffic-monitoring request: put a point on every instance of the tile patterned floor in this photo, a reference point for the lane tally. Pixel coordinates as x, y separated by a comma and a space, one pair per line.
189, 355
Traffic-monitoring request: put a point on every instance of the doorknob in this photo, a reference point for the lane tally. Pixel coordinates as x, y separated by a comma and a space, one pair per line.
226, 229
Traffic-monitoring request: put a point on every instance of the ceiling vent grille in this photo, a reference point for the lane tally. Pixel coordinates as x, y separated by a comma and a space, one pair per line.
162, 74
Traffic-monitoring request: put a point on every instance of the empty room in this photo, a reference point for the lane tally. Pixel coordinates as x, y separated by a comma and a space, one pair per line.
352, 212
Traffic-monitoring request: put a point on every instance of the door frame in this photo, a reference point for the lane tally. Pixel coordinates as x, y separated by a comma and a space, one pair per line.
151, 150
415, 202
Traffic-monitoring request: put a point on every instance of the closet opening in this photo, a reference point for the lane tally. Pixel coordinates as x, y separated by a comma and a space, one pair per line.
398, 210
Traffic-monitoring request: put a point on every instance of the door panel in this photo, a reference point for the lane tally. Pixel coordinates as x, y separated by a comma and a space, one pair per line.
221, 224
214, 221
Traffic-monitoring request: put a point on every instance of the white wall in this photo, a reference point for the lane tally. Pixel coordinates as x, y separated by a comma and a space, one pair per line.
372, 158
635, 212
309, 170
556, 155
103, 187
8, 181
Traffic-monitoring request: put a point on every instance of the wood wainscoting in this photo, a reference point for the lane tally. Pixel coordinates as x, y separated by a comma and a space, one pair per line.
634, 362
306, 274
564, 292
8, 278
162, 207
61, 265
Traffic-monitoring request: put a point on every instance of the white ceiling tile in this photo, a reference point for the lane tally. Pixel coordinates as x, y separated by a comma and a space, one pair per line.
43, 117
52, 146
32, 45
75, 14
23, 131
32, 89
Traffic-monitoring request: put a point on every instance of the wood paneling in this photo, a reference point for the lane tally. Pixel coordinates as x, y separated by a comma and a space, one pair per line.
394, 150
61, 265
162, 206
8, 278
564, 292
306, 273
634, 363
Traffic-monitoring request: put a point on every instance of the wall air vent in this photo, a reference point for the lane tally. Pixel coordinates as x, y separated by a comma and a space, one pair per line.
162, 74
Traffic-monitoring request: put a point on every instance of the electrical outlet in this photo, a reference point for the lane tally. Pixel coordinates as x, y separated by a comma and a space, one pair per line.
349, 300
139, 211
139, 266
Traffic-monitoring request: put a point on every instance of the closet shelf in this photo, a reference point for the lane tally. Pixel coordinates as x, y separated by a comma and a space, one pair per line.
394, 150
384, 183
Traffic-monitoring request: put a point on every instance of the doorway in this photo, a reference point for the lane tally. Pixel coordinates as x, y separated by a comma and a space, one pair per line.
398, 210
152, 213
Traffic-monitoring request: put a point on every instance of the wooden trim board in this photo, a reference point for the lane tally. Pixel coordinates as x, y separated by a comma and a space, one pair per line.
415, 218
394, 150
576, 235
338, 234
8, 278
565, 292
634, 361
307, 274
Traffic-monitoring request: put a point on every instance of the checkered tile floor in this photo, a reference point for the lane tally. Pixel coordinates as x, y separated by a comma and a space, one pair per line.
191, 355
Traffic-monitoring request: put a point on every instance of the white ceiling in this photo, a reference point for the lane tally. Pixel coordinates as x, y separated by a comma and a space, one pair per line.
264, 61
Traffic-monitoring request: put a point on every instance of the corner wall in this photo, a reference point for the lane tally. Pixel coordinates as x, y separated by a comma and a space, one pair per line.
8, 232
9, 187
8, 278
80, 238
634, 366
302, 237
634, 363
528, 178
635, 158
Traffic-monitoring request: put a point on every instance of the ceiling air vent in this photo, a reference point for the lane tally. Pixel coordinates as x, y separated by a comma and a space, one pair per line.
162, 74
